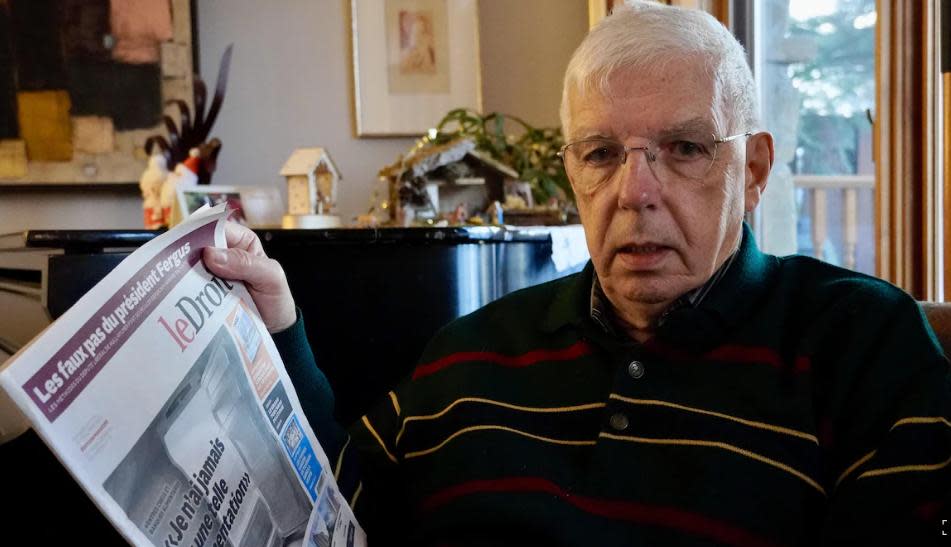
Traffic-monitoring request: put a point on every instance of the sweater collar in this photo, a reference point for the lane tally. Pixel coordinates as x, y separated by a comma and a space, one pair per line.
688, 328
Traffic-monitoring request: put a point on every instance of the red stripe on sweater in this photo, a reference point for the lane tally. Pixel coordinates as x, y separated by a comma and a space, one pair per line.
758, 355
746, 354
578, 349
736, 353
667, 351
641, 513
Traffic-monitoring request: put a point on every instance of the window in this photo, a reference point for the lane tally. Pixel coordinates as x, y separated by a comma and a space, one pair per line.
814, 61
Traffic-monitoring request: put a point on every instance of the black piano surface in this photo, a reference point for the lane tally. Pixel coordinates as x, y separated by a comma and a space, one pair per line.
371, 299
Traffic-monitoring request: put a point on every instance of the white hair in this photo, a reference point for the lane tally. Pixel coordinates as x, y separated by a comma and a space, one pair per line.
644, 37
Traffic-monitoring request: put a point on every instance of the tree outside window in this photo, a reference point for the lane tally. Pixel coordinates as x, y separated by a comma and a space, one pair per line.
816, 72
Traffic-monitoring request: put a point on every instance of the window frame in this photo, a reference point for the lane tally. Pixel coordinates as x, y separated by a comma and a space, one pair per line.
911, 140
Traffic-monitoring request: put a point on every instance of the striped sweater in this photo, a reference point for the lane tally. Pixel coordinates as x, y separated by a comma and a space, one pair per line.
798, 404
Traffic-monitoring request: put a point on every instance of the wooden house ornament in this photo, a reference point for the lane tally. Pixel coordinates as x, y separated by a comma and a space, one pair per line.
458, 180
312, 180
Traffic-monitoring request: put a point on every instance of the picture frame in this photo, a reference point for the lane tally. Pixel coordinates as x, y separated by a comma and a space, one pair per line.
99, 96
597, 10
192, 198
260, 206
413, 61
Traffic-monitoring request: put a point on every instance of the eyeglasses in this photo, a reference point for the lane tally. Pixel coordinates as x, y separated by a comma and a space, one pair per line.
683, 156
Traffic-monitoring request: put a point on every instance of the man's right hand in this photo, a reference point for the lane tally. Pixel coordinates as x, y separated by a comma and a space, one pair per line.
244, 260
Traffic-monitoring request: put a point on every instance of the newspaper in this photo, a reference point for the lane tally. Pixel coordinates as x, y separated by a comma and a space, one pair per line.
163, 394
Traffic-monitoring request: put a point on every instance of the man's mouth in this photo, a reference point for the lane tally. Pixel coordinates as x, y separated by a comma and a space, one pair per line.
642, 257
642, 249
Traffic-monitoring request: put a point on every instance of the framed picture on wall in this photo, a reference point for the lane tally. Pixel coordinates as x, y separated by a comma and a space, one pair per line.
88, 82
599, 9
413, 61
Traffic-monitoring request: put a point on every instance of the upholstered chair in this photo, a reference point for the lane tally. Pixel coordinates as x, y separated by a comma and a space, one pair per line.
939, 316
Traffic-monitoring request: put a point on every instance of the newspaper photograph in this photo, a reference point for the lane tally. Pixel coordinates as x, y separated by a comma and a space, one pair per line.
163, 394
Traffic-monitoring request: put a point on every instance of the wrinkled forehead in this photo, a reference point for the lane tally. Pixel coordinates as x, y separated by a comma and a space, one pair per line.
680, 94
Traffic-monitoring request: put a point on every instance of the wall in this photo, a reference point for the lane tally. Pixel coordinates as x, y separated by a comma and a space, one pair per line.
525, 46
290, 86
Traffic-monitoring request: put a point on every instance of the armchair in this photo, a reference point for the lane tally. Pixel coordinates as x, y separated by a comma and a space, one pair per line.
939, 316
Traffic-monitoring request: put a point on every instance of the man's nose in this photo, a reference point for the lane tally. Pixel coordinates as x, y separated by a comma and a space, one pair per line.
639, 188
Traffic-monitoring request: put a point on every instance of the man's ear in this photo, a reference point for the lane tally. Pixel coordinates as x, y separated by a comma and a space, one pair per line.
759, 161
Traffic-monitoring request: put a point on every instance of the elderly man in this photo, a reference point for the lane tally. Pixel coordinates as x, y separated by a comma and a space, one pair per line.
684, 388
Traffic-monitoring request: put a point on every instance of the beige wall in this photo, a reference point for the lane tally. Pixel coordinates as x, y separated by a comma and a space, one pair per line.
525, 46
290, 87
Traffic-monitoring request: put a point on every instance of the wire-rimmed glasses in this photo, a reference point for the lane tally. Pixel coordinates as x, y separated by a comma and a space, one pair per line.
686, 156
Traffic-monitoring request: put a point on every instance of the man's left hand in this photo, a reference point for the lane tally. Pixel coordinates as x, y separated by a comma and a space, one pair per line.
244, 260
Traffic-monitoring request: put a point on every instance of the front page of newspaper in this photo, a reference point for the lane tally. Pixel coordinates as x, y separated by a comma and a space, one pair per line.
163, 394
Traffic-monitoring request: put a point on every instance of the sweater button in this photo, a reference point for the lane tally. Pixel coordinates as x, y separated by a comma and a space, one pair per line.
636, 369
619, 422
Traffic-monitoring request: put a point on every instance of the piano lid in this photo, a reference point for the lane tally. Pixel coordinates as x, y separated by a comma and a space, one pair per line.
76, 240
72, 241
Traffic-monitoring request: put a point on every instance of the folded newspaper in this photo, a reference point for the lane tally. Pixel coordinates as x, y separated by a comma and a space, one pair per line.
163, 394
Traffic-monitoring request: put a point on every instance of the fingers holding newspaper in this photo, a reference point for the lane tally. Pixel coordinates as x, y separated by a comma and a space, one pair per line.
245, 260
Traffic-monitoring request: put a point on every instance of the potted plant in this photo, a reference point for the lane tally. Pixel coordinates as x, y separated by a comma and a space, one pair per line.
531, 151
530, 154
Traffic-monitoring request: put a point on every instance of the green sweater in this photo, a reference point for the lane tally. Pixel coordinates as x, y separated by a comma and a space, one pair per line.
798, 404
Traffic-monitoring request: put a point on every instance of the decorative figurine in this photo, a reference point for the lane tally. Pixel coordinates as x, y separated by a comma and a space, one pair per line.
151, 185
312, 180
459, 215
187, 148
432, 177
495, 214
184, 175
368, 220
192, 131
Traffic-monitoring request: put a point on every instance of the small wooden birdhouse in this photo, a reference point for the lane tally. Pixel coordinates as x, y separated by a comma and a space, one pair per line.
312, 180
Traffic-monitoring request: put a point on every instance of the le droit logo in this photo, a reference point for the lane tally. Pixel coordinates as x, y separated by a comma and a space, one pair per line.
195, 311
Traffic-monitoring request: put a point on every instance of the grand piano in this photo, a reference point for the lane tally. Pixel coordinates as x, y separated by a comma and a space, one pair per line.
371, 298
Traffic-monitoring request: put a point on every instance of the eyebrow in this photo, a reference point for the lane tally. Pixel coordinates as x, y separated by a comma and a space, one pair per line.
589, 134
693, 124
